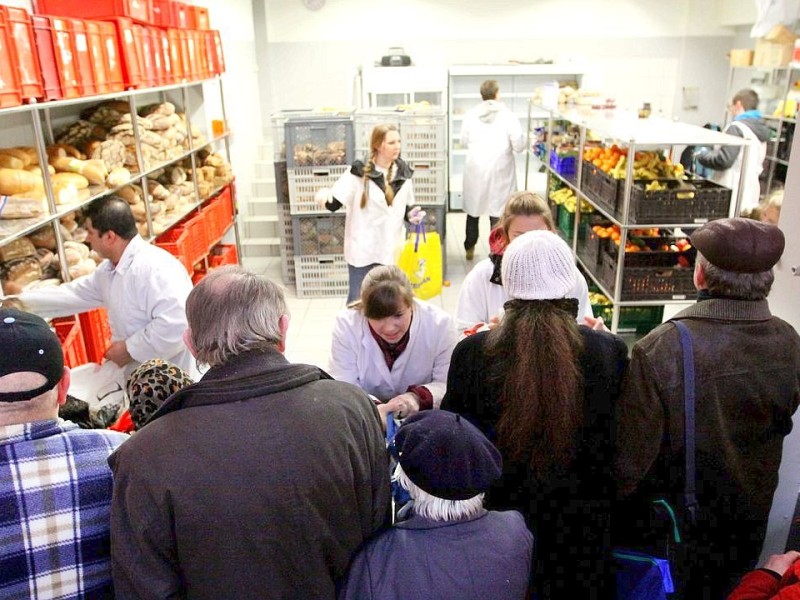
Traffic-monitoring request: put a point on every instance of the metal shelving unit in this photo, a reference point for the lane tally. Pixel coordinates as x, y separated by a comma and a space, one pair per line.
636, 134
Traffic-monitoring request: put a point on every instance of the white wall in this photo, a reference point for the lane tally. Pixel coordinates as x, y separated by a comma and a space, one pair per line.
637, 51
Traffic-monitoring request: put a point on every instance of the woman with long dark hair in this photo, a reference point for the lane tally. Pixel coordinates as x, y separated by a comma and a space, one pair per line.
543, 389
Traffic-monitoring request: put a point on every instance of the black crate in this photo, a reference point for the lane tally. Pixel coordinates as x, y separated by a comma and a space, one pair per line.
315, 235
590, 244
319, 142
698, 201
601, 188
649, 275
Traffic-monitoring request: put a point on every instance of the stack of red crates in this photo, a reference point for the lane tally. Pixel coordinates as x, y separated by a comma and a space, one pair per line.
68, 330
96, 334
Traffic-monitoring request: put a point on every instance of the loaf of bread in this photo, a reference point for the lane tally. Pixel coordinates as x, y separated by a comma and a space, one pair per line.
93, 170
17, 181
79, 182
19, 248
117, 177
10, 162
21, 271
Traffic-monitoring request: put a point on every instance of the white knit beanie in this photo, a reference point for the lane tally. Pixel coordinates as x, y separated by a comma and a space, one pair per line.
538, 265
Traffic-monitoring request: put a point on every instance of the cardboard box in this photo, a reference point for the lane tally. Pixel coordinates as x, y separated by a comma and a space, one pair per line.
742, 57
775, 49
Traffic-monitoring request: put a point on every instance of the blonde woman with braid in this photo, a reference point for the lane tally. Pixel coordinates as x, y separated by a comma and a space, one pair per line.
377, 195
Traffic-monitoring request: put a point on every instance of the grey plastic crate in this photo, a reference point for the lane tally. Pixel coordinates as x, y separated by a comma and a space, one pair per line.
423, 133
305, 182
281, 182
323, 276
287, 244
430, 181
318, 234
319, 142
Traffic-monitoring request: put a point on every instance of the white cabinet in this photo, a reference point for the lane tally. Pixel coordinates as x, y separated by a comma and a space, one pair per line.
658, 271
386, 87
517, 84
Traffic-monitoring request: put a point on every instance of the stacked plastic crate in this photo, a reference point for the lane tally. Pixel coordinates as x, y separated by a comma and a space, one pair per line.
316, 149
423, 142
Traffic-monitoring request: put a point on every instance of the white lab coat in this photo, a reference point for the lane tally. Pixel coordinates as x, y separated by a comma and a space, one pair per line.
751, 194
491, 133
357, 358
479, 299
372, 234
145, 296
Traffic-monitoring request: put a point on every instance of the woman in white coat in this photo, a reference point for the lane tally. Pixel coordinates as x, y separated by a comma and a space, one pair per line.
393, 346
481, 297
377, 195
491, 133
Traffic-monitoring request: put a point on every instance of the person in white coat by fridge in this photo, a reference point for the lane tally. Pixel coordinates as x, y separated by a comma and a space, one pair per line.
481, 297
491, 133
393, 346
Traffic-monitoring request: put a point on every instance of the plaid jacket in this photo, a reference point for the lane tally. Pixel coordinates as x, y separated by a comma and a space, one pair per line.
55, 494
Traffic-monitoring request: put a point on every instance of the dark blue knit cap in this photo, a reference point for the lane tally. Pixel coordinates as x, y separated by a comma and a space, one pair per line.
27, 344
446, 455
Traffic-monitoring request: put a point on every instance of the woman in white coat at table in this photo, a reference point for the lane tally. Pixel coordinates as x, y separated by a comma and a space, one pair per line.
481, 297
377, 195
393, 346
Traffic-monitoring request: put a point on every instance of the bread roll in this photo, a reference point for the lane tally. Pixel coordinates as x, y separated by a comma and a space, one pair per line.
79, 182
93, 170
11, 162
118, 176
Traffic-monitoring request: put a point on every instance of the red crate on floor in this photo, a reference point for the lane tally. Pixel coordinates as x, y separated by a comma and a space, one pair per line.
22, 52
138, 10
83, 58
132, 68
96, 333
111, 56
9, 81
45, 48
198, 17
175, 242
223, 254
68, 330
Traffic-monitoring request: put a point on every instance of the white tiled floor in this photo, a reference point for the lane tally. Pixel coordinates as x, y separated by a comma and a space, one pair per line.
309, 337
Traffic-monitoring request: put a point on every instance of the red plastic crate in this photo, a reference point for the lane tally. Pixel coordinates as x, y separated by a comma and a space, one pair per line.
218, 216
223, 254
180, 15
193, 56
45, 48
219, 61
198, 18
204, 58
198, 240
179, 54
83, 58
198, 274
175, 242
139, 10
10, 94
68, 330
111, 56
142, 43
132, 68
64, 45
98, 55
96, 334
162, 13
162, 48
22, 52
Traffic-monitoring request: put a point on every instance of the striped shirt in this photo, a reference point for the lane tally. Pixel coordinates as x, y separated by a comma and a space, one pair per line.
55, 494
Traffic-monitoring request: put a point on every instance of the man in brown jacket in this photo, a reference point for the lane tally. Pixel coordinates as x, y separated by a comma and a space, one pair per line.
747, 374
259, 481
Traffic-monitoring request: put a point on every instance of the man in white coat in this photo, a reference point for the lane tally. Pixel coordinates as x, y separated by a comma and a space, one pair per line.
491, 133
143, 287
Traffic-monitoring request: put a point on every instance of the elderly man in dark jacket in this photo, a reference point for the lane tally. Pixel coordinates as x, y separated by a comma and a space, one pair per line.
259, 481
747, 373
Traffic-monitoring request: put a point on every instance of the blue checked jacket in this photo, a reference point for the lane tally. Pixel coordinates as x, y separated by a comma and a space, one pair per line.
55, 494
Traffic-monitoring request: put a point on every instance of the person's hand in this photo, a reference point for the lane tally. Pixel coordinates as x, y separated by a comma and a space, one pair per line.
595, 323
779, 563
118, 353
415, 215
494, 321
322, 197
403, 405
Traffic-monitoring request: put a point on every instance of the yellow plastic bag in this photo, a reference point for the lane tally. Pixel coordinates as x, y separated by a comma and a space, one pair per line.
421, 261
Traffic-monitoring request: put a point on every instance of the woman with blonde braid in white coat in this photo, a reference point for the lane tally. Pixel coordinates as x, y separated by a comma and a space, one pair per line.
393, 346
377, 195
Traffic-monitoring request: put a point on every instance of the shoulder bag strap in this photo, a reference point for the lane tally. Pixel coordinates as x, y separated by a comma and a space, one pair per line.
689, 493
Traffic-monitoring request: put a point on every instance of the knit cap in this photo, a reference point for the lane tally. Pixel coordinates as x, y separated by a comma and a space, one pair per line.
538, 265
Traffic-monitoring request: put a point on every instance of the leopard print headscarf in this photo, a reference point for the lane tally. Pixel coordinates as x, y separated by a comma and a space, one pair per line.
150, 384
